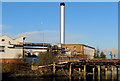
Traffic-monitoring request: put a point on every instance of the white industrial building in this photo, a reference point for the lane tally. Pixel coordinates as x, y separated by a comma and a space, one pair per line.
9, 52
12, 50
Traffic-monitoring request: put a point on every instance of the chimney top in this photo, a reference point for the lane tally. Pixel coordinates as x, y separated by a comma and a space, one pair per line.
62, 4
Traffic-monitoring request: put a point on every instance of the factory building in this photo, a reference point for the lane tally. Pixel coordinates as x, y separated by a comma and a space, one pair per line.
84, 51
36, 48
57, 49
9, 52
13, 50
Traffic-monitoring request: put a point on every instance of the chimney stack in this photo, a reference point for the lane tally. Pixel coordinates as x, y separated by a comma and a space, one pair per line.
62, 23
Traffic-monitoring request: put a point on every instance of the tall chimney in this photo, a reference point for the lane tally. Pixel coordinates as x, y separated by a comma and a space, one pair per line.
62, 23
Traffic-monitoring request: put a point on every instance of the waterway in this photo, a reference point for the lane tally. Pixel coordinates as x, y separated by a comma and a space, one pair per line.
103, 77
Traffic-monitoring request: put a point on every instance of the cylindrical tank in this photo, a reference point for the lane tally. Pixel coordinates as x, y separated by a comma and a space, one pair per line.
62, 23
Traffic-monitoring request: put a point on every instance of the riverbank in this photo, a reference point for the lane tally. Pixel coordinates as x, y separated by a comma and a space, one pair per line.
39, 74
36, 74
45, 72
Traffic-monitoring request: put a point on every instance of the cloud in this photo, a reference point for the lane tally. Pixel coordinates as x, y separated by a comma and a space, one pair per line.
38, 32
73, 37
50, 36
0, 30
4, 27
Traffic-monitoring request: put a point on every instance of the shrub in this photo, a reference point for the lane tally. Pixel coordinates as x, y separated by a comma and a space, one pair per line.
46, 58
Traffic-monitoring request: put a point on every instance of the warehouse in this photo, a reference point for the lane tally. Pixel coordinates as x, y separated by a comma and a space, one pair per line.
13, 50
8, 51
84, 51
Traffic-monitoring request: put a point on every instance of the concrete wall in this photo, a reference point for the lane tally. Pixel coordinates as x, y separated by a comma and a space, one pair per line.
10, 51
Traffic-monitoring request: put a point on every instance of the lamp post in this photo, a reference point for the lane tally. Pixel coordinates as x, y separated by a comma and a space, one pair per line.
43, 33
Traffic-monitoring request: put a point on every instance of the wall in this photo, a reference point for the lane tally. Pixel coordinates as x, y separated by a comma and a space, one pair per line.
10, 60
74, 47
13, 52
89, 52
83, 51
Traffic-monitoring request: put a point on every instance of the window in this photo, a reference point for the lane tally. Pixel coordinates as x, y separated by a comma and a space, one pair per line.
74, 47
3, 39
2, 48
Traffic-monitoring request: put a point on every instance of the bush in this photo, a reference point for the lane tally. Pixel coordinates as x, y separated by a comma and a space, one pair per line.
46, 58
9, 67
14, 67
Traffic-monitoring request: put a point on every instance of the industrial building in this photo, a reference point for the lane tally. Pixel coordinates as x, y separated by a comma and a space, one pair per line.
13, 50
57, 49
84, 51
36, 48
9, 52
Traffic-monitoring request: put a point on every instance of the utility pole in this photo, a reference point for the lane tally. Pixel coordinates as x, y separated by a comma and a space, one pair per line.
43, 34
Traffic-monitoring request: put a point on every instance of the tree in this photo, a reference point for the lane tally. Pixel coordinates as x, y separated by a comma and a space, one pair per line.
102, 55
99, 55
45, 58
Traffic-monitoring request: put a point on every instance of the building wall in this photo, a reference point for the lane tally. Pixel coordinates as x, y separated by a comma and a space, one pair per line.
83, 51
10, 60
88, 51
10, 51
74, 47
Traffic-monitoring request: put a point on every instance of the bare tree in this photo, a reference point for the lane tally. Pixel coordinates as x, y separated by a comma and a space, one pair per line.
45, 58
